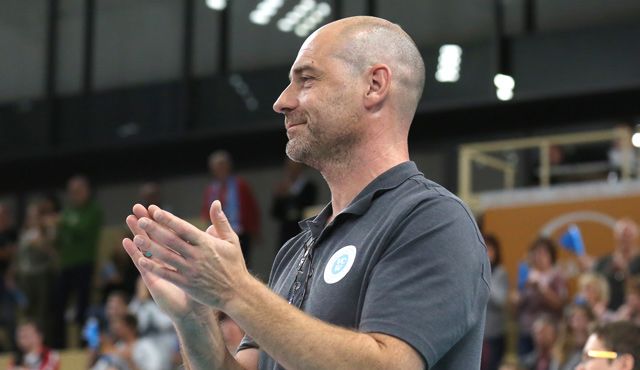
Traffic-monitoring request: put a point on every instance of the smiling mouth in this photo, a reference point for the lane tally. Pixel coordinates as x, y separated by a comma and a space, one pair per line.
288, 126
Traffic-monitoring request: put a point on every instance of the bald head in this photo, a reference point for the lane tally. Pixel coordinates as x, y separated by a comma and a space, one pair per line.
365, 41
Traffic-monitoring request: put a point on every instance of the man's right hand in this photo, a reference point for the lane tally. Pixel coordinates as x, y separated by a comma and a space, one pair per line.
171, 299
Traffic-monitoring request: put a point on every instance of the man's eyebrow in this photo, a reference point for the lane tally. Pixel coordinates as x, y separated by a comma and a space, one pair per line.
303, 68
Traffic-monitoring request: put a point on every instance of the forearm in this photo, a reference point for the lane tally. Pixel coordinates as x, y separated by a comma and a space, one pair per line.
202, 344
300, 342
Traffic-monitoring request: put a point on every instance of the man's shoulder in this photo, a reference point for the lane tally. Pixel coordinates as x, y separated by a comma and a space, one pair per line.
418, 190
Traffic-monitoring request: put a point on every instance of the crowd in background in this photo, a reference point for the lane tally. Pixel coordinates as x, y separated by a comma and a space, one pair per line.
51, 275
49, 269
552, 326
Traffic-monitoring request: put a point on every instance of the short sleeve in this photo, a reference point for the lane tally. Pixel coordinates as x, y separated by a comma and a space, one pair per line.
430, 287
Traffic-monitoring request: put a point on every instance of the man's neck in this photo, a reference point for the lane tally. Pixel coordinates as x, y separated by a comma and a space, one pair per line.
348, 178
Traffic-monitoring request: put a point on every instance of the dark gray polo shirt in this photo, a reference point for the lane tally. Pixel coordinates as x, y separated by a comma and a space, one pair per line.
405, 258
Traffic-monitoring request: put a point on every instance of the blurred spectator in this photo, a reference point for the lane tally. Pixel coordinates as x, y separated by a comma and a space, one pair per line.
237, 200
545, 333
510, 364
77, 243
623, 262
493, 346
96, 331
544, 292
621, 152
35, 266
130, 352
292, 195
32, 354
593, 291
117, 272
8, 247
630, 310
573, 335
612, 346
149, 194
154, 324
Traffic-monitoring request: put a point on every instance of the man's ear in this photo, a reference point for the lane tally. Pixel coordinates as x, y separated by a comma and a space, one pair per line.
379, 82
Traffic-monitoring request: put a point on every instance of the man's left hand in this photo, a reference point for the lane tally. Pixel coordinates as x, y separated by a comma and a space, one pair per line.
207, 265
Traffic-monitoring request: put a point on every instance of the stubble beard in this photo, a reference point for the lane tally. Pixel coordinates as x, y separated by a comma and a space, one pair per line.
322, 149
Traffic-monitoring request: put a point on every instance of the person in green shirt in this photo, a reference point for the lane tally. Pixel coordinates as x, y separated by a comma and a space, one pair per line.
77, 244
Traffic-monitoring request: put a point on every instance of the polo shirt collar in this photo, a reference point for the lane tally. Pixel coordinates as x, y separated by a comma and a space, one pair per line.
390, 179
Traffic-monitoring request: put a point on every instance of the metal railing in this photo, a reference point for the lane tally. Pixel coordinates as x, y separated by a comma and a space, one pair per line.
484, 153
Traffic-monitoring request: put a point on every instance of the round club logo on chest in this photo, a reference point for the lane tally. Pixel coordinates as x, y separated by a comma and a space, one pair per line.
339, 264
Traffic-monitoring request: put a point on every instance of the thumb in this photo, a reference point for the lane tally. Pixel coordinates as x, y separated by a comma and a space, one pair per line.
220, 224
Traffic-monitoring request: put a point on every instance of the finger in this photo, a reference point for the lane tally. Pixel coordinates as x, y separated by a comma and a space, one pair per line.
132, 223
182, 228
165, 255
221, 224
174, 277
140, 211
145, 265
133, 252
165, 237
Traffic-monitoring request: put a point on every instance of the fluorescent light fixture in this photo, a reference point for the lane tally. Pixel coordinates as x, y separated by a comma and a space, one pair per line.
447, 75
504, 86
324, 9
286, 25
264, 11
504, 81
504, 94
449, 61
304, 17
258, 17
302, 30
216, 4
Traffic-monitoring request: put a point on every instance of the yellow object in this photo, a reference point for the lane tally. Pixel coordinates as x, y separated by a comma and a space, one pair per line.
602, 354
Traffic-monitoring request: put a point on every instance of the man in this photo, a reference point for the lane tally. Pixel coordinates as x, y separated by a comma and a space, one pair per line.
624, 262
612, 346
392, 274
77, 244
237, 199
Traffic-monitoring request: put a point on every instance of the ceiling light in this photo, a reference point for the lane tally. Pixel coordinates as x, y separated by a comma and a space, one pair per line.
504, 81
216, 4
449, 61
635, 139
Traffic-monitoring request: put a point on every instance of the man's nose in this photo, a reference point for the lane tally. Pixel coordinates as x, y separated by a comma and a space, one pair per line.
286, 102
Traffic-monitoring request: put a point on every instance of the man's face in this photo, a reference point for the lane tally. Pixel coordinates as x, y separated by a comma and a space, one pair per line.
220, 168
588, 363
78, 192
321, 104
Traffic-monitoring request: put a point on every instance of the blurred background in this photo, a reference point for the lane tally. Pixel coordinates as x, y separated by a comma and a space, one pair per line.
530, 113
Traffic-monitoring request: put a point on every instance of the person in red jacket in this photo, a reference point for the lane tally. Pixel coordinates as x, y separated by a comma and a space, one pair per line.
32, 353
237, 200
